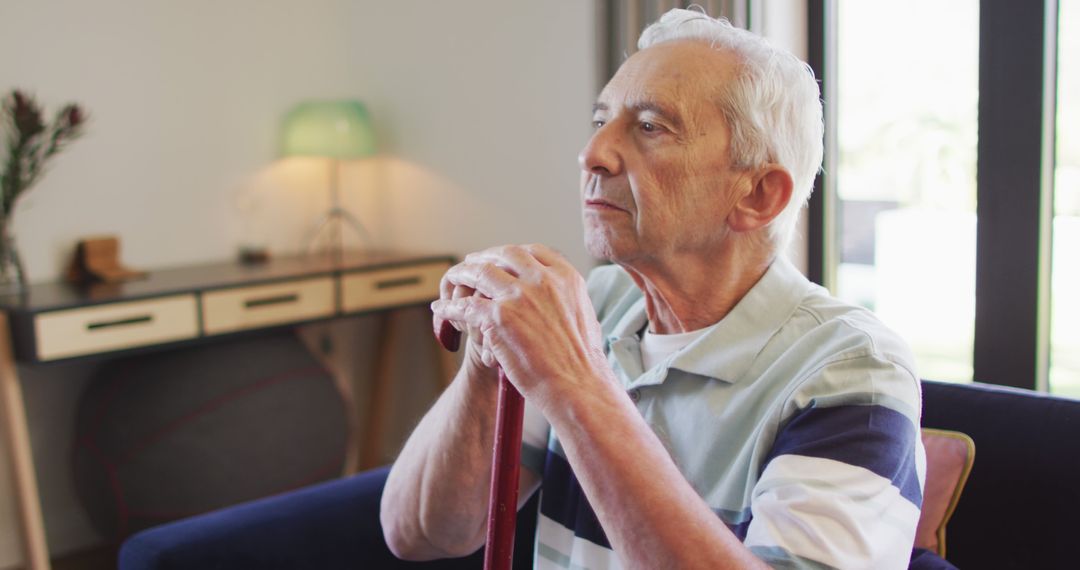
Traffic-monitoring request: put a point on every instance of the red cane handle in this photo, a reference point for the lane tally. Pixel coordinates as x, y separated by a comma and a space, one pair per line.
505, 464
449, 337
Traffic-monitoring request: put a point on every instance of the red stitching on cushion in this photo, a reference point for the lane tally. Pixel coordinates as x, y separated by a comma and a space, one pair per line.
213, 405
122, 512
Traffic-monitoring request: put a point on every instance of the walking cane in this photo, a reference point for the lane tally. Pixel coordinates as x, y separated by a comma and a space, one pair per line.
505, 464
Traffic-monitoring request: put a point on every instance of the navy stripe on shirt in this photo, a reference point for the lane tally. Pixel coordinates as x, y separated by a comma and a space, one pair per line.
564, 502
874, 437
739, 530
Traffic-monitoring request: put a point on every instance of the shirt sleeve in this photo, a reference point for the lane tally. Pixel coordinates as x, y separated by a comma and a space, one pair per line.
842, 485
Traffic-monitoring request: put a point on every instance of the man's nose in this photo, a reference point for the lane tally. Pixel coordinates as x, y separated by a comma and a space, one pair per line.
601, 154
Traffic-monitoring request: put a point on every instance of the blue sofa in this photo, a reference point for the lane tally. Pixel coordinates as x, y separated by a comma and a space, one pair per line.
1018, 510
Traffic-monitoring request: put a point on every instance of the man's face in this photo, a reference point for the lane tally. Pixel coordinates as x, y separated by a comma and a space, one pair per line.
656, 179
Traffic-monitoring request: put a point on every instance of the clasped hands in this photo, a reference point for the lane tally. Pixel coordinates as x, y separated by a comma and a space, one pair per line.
526, 309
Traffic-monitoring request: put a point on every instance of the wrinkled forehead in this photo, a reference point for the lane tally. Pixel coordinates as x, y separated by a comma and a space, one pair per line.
689, 75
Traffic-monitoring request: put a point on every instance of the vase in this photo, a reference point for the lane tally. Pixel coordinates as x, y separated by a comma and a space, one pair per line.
12, 276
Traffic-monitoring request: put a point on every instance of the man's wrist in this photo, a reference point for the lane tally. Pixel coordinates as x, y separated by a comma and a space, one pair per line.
584, 393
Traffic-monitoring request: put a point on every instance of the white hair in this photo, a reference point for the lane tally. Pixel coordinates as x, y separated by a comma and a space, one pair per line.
773, 107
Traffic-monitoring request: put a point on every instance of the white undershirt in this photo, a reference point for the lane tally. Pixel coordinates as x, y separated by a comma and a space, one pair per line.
656, 347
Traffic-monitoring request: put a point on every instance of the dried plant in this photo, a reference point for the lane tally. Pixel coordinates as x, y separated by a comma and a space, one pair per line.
31, 143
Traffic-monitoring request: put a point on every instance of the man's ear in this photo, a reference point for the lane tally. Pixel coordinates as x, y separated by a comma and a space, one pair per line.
770, 192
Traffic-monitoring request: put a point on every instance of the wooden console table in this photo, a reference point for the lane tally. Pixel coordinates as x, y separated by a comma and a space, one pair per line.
57, 321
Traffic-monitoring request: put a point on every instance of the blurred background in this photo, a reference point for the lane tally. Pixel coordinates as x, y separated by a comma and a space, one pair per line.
479, 109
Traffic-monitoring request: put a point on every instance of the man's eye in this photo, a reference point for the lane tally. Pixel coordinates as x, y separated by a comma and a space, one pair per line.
597, 124
649, 127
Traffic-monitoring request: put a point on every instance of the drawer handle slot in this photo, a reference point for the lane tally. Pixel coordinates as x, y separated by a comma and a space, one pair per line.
267, 301
119, 322
399, 282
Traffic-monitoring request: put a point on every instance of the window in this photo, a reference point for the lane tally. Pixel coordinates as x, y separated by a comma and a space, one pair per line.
905, 180
936, 207
1065, 271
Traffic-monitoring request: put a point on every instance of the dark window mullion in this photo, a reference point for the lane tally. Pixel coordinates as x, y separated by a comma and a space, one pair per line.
820, 29
1009, 179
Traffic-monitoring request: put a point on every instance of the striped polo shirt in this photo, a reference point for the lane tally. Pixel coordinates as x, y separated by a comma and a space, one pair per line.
795, 418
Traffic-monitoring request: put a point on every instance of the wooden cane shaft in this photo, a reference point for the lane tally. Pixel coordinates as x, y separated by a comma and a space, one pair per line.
505, 469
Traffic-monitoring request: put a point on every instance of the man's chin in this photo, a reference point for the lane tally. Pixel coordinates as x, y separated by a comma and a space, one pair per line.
606, 250
599, 251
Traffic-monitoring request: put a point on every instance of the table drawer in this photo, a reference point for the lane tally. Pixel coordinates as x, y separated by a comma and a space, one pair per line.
390, 287
257, 306
115, 326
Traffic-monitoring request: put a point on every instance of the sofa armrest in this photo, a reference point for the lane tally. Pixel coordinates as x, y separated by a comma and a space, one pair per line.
331, 525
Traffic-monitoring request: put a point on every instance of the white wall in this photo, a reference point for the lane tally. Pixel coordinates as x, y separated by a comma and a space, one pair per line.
481, 107
481, 104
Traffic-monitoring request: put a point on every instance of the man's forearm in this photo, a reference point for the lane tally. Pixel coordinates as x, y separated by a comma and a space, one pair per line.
435, 500
650, 513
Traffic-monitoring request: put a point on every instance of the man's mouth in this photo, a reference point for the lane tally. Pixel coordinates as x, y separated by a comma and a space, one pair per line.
598, 204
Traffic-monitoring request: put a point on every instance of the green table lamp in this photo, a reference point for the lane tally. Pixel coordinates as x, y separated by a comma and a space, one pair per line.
337, 130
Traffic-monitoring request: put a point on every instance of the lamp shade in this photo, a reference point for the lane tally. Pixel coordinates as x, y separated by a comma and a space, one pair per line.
333, 129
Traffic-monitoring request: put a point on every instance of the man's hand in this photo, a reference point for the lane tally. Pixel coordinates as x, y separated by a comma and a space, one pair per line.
526, 309
473, 363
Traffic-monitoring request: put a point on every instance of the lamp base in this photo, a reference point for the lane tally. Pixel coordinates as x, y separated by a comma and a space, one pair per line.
329, 233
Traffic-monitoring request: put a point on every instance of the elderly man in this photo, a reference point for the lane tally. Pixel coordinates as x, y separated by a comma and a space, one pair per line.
698, 404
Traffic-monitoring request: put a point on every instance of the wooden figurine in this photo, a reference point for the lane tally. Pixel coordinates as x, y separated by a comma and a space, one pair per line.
97, 259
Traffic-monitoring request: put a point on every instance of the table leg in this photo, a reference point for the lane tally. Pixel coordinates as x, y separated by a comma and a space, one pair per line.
352, 441
381, 389
22, 459
447, 364
317, 339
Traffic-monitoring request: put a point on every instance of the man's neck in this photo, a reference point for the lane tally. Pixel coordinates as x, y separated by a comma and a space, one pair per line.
696, 291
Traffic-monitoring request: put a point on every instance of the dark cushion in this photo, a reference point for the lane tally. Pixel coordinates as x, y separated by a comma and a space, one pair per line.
1018, 509
328, 526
